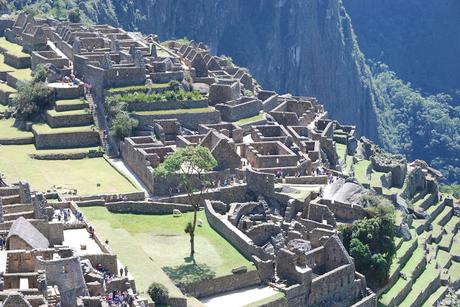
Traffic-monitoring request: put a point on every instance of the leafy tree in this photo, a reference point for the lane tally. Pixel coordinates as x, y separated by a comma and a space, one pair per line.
158, 293
190, 164
31, 99
40, 73
75, 16
361, 254
379, 267
122, 125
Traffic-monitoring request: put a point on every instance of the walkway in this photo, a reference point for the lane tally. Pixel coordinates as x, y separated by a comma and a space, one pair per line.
126, 170
78, 238
240, 297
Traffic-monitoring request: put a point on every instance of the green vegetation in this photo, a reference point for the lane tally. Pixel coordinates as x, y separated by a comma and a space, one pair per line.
122, 125
142, 87
361, 171
252, 119
151, 235
31, 99
371, 243
418, 126
189, 163
141, 97
24, 74
158, 293
453, 190
9, 131
177, 111
16, 164
43, 128
74, 16
12, 48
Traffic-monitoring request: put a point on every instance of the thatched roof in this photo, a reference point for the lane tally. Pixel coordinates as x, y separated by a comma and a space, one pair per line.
24, 230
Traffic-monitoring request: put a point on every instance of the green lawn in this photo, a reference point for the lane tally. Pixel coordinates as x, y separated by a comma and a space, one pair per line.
8, 131
54, 113
420, 284
5, 67
45, 129
6, 88
148, 243
11, 48
375, 179
415, 259
267, 300
393, 291
70, 102
177, 111
84, 175
22, 74
341, 150
360, 171
252, 119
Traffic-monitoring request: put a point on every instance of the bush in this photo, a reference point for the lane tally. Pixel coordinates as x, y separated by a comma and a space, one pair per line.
32, 98
40, 73
178, 95
158, 293
122, 125
75, 16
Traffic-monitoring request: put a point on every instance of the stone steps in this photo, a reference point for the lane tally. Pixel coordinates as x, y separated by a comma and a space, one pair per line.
11, 199
63, 119
9, 209
16, 215
70, 105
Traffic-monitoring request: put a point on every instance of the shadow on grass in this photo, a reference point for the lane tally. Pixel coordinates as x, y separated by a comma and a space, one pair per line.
188, 273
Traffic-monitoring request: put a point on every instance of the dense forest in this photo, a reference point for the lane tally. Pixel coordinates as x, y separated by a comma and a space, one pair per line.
411, 103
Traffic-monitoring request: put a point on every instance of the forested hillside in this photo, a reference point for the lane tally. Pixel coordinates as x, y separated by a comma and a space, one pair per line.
310, 48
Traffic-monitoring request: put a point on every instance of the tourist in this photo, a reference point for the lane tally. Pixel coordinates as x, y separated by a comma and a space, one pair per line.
126, 271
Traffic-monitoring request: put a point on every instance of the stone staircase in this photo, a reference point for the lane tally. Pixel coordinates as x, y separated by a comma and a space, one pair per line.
99, 121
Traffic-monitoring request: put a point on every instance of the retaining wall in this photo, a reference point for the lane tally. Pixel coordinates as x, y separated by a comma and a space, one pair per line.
146, 207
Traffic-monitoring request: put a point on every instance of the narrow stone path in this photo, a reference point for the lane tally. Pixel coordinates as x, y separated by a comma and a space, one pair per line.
125, 169
240, 297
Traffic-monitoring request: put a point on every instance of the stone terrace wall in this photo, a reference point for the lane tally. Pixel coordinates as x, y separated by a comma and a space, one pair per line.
69, 120
232, 234
233, 113
167, 105
307, 180
66, 140
188, 120
223, 284
146, 207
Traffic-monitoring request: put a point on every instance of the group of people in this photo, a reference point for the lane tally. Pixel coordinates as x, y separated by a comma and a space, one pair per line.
119, 299
70, 80
63, 214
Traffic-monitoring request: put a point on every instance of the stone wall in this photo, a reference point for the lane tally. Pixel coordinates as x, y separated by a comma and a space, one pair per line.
146, 207
17, 62
307, 180
188, 120
232, 234
167, 105
58, 121
223, 284
108, 261
66, 140
232, 113
260, 183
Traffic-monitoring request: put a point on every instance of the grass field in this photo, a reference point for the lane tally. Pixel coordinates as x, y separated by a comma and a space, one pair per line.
6, 88
5, 67
45, 129
360, 171
148, 243
22, 74
54, 113
8, 131
11, 48
251, 119
83, 175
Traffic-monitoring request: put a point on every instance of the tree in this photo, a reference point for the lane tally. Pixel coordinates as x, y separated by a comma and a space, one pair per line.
361, 254
31, 99
190, 165
40, 73
158, 293
75, 16
122, 125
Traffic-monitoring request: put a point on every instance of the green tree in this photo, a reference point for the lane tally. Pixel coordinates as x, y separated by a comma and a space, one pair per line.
158, 293
361, 254
74, 16
40, 73
190, 164
31, 99
122, 125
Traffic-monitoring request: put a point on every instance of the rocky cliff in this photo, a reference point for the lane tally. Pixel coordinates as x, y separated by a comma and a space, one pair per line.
305, 47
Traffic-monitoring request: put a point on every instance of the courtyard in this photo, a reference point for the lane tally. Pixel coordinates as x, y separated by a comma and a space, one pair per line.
152, 244
16, 164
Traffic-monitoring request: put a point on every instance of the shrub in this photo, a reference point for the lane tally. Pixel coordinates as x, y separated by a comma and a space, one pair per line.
40, 73
178, 95
32, 98
75, 16
122, 125
158, 293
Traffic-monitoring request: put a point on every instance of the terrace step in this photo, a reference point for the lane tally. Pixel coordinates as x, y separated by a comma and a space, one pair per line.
10, 209
437, 296
70, 105
68, 137
15, 216
76, 118
11, 199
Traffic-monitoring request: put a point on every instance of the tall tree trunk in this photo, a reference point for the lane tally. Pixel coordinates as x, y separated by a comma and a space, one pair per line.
192, 233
